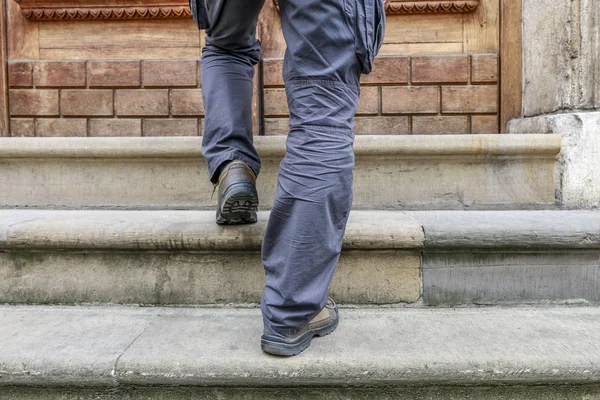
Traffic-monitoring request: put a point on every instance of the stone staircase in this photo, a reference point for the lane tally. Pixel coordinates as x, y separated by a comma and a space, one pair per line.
443, 228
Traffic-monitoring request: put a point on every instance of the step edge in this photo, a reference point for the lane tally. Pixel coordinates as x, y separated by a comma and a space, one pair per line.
531, 145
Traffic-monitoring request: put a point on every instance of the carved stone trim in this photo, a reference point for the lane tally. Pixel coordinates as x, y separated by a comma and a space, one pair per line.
49, 10
427, 6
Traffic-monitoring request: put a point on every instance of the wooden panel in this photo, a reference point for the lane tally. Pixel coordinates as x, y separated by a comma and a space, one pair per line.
23, 34
481, 28
511, 61
119, 39
420, 48
435, 28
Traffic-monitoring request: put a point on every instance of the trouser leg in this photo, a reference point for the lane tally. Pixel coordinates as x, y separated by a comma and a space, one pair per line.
304, 234
227, 70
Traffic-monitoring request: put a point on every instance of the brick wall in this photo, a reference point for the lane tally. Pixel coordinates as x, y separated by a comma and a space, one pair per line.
105, 98
454, 94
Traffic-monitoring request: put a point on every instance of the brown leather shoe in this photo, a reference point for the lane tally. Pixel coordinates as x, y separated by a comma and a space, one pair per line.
321, 325
238, 199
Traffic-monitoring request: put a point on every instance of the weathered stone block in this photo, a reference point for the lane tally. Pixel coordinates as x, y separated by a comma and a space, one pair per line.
381, 125
368, 103
436, 125
113, 74
87, 102
387, 70
142, 102
59, 74
22, 127
470, 99
115, 127
484, 68
187, 102
33, 102
20, 74
56, 127
579, 160
171, 127
170, 73
409, 100
440, 69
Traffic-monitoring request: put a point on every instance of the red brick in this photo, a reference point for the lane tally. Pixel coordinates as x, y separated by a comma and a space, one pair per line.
277, 126
59, 127
187, 102
59, 74
142, 102
484, 68
435, 125
381, 125
115, 127
484, 124
410, 100
469, 99
170, 73
86, 102
387, 70
171, 127
275, 103
22, 127
113, 74
369, 101
20, 74
33, 102
440, 69
273, 73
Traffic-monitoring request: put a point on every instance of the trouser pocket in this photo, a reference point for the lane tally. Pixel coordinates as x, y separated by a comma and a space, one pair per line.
200, 13
369, 24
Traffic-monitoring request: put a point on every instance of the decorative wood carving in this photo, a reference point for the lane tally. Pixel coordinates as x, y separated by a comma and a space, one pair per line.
427, 6
431, 7
47, 10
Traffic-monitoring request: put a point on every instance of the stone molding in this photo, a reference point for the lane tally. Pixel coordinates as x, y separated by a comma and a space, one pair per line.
50, 10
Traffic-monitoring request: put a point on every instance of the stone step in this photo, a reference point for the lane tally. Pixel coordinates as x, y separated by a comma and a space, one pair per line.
392, 172
79, 353
182, 257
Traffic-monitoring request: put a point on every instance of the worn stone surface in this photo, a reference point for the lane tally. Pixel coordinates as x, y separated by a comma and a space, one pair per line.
115, 127
392, 172
549, 392
495, 277
370, 348
119, 346
172, 230
561, 55
191, 278
578, 169
374, 347
510, 229
183, 257
67, 346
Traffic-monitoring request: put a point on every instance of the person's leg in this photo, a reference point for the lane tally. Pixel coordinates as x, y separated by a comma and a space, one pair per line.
227, 69
303, 240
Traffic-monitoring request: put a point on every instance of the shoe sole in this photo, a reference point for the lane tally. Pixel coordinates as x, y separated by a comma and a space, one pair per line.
278, 347
239, 205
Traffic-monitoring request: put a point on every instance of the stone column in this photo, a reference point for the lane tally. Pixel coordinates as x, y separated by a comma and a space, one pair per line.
561, 91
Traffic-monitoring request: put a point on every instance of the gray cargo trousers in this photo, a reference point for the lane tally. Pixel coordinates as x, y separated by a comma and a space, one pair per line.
329, 44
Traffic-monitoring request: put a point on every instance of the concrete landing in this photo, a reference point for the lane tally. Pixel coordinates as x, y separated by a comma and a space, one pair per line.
119, 347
